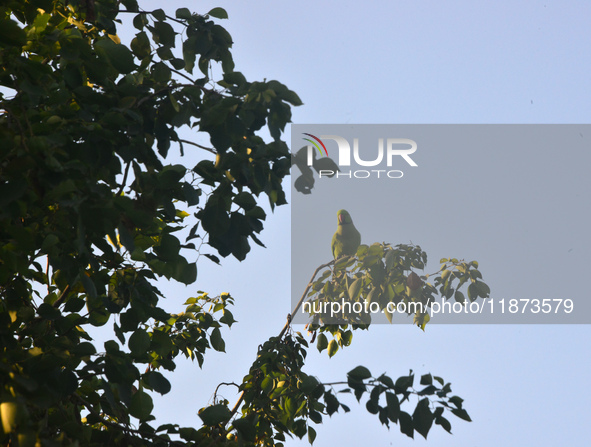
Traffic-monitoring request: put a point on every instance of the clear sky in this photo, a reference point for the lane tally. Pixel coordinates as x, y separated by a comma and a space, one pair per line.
426, 62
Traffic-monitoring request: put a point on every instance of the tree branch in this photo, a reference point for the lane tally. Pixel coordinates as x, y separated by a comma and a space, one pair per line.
90, 409
301, 301
223, 383
150, 12
124, 178
188, 78
208, 149
62, 297
287, 325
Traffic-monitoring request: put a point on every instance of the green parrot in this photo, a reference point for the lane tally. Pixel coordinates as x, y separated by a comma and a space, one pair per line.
346, 239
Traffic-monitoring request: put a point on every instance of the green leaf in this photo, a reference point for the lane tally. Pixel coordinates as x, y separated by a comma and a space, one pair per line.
235, 78
49, 241
461, 413
393, 405
308, 384
406, 425
355, 288
267, 385
359, 373
212, 258
332, 403
191, 194
347, 338
321, 342
118, 55
140, 20
292, 98
67, 382
290, 407
163, 34
84, 349
472, 291
457, 401
48, 312
372, 406
183, 13
88, 285
388, 315
333, 347
111, 346
245, 200
315, 417
214, 218
386, 380
246, 427
158, 382
97, 316
215, 414
217, 342
161, 343
140, 45
189, 434
428, 390
475, 274
299, 428
139, 342
11, 34
126, 238
159, 15
482, 289
404, 382
422, 417
427, 379
178, 64
161, 72
311, 435
186, 272
169, 247
141, 405
440, 420
218, 13
227, 318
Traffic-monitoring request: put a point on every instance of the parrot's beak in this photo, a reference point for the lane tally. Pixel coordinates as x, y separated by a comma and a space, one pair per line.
341, 219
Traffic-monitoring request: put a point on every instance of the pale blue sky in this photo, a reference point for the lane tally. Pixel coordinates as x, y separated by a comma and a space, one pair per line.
415, 62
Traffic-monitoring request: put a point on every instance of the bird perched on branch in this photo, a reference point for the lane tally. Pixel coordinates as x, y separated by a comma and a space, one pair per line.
346, 239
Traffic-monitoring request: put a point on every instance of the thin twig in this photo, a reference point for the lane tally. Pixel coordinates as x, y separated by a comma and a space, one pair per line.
175, 86
188, 78
301, 301
198, 145
124, 178
62, 297
47, 276
89, 407
223, 383
150, 12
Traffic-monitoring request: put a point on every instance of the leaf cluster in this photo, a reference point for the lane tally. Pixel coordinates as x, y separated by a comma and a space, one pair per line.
380, 279
279, 399
91, 215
